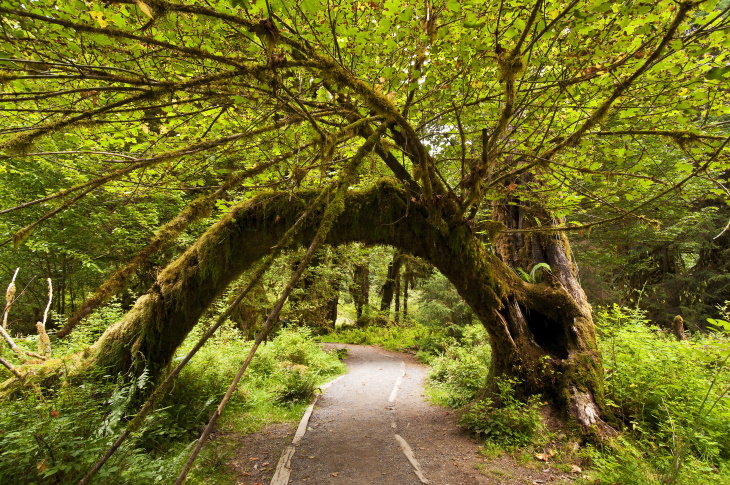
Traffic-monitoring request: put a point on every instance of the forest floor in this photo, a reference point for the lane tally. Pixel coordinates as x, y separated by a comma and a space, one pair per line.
374, 426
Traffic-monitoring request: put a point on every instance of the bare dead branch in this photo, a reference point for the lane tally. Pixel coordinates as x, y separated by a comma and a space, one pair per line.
9, 298
44, 343
11, 368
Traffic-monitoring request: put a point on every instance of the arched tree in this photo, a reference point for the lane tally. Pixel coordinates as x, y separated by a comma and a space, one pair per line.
496, 123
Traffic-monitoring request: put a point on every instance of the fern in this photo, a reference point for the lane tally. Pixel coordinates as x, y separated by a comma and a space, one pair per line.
536, 273
523, 274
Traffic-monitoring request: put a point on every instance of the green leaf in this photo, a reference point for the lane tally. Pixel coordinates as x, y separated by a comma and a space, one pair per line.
718, 73
538, 270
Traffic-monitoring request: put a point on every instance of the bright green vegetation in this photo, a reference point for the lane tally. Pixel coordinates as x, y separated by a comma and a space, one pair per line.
544, 155
670, 398
673, 398
55, 436
391, 337
504, 419
459, 372
438, 320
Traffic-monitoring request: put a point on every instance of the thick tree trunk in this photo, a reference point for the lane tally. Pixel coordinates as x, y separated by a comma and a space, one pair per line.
554, 353
541, 334
360, 288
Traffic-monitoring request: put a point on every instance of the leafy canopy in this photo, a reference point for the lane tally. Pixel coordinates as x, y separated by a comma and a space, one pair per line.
570, 104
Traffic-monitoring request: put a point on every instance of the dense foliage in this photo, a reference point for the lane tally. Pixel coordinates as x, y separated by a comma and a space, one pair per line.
139, 108
671, 396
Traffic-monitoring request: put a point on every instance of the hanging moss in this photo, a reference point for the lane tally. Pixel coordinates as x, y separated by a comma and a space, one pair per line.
381, 215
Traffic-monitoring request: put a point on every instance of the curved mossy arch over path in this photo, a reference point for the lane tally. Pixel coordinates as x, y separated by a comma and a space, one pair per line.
530, 126
541, 334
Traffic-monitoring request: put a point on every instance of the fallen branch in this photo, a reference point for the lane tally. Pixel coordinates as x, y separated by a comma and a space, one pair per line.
11, 368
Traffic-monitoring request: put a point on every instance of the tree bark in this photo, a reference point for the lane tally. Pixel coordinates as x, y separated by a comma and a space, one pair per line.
540, 334
678, 327
552, 352
396, 291
405, 299
390, 279
360, 288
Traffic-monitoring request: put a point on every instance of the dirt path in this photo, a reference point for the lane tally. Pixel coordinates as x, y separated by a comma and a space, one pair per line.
373, 426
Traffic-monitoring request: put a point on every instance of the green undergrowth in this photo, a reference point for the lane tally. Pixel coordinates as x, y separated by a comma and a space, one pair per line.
55, 437
503, 420
460, 371
411, 337
670, 396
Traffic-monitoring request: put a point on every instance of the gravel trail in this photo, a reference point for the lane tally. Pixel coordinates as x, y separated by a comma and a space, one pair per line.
373, 426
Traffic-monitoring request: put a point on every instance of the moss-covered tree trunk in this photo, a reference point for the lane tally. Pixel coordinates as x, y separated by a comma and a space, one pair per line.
360, 287
388, 289
551, 349
541, 334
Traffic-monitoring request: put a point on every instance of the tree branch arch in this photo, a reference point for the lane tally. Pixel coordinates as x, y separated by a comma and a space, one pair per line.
539, 333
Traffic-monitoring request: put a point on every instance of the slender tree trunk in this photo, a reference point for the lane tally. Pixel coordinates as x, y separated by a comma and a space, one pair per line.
332, 310
396, 290
360, 289
389, 285
405, 299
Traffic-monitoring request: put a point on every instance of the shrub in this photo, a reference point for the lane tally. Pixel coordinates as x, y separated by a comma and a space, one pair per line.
297, 385
391, 337
505, 421
673, 397
460, 373
666, 389
56, 437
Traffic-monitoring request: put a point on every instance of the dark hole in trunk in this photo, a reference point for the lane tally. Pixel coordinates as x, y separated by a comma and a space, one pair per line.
548, 334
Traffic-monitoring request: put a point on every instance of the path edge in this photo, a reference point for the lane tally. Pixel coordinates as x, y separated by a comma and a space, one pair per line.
283, 467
